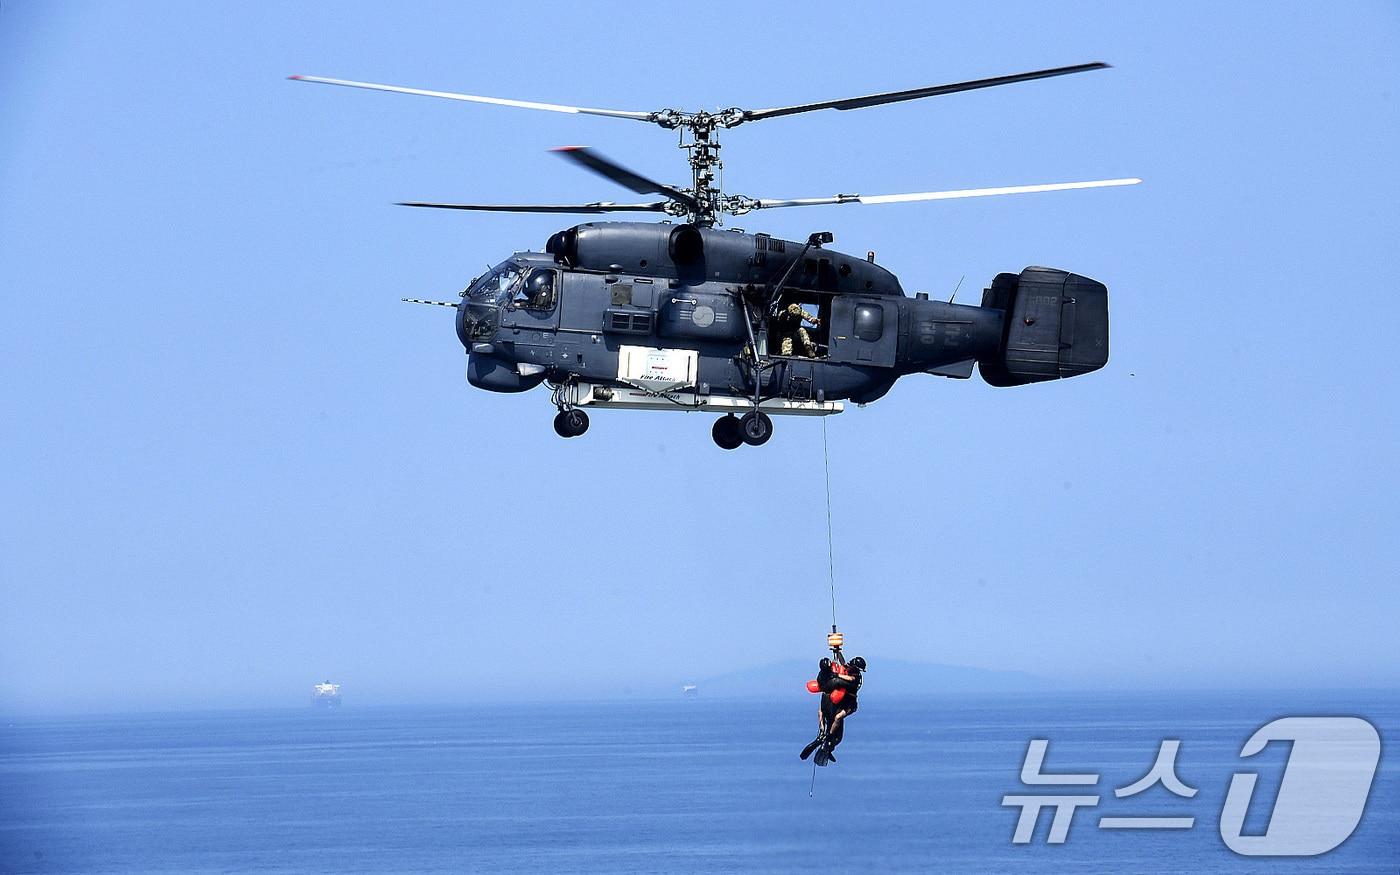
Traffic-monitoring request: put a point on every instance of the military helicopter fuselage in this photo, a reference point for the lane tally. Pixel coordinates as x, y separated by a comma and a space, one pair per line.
685, 316
666, 316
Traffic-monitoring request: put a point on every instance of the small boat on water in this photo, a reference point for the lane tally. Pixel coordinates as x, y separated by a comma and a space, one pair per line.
325, 695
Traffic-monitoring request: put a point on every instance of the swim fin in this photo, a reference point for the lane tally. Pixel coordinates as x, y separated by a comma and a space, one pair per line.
823, 757
816, 743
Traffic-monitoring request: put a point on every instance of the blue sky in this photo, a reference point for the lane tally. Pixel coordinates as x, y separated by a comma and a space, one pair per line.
236, 464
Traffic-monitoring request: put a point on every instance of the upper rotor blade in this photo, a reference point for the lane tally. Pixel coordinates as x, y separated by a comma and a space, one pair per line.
600, 207
916, 93
621, 175
476, 98
767, 203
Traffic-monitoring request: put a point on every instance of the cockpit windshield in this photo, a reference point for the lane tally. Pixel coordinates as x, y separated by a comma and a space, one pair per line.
496, 286
486, 298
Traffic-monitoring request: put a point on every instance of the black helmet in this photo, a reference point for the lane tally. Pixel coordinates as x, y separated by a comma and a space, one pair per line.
541, 283
858, 662
825, 663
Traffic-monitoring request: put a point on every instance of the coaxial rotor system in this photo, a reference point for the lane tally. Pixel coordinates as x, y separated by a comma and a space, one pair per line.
703, 203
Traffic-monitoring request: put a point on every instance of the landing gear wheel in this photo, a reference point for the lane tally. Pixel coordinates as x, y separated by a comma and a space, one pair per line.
726, 432
756, 428
571, 423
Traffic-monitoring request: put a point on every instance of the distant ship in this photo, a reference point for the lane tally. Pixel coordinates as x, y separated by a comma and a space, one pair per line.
690, 690
326, 695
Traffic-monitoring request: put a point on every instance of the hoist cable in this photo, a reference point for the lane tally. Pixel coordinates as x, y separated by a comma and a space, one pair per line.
830, 566
830, 550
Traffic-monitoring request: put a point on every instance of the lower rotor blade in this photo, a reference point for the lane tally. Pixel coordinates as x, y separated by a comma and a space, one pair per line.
600, 207
987, 192
621, 175
768, 203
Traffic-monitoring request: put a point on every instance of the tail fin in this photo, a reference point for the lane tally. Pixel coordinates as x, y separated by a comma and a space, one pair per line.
1055, 325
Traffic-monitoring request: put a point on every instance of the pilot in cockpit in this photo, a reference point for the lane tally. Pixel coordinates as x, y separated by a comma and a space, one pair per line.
537, 292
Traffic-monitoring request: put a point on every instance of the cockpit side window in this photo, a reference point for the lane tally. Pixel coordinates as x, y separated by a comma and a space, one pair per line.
537, 292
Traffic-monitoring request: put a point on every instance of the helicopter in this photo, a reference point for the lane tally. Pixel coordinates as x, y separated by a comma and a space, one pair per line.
683, 314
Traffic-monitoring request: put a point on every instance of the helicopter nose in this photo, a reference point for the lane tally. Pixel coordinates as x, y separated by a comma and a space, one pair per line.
476, 324
490, 372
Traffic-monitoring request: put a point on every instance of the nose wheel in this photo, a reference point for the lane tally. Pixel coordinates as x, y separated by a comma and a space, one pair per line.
570, 423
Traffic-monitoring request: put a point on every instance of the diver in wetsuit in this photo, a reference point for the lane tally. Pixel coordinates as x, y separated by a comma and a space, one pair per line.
822, 685
834, 713
838, 683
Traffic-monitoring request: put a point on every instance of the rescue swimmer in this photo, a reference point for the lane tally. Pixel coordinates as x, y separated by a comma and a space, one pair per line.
838, 681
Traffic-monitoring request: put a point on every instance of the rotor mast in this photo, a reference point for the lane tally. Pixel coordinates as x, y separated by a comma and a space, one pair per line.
703, 154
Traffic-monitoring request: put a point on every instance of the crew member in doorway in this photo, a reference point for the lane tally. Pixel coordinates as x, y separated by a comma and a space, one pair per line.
795, 339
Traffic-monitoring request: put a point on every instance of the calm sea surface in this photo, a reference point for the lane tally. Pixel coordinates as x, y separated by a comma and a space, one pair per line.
686, 785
